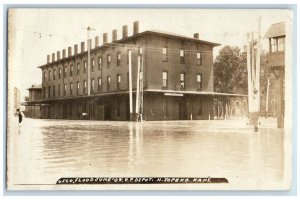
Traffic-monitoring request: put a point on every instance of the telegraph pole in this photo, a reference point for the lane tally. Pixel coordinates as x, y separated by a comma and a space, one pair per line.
130, 85
89, 59
253, 68
137, 107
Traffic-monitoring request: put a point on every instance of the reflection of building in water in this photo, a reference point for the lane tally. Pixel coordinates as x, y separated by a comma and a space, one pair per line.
16, 99
177, 78
33, 104
276, 35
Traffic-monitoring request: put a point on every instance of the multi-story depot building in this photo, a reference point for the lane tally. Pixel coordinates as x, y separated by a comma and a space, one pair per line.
177, 78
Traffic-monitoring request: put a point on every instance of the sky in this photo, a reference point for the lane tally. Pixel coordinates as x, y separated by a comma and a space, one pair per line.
35, 33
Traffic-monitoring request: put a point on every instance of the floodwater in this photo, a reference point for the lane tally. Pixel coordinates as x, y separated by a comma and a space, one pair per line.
42, 151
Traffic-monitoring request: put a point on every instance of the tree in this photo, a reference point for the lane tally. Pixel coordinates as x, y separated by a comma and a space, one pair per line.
230, 71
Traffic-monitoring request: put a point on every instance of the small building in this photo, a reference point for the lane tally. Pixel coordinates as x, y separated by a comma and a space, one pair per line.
276, 36
33, 104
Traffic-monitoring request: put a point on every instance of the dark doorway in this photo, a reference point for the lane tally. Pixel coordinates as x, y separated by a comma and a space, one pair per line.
107, 112
182, 109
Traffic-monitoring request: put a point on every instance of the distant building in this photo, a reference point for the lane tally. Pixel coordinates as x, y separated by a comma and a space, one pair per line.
276, 36
177, 78
16, 99
33, 104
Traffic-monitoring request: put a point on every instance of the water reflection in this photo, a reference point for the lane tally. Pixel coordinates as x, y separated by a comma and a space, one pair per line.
187, 148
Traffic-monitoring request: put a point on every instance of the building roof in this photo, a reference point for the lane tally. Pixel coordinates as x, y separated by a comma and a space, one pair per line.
35, 87
276, 30
153, 32
167, 34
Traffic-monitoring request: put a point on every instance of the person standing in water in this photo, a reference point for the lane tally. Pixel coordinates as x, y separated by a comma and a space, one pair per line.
19, 115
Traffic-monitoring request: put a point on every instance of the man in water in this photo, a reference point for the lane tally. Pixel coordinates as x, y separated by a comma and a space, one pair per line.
19, 115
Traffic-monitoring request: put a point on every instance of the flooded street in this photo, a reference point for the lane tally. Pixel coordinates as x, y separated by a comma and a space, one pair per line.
46, 150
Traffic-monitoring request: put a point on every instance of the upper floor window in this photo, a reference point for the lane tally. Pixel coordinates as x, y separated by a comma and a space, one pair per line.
277, 44
77, 87
99, 84
58, 90
49, 92
71, 70
164, 54
53, 91
181, 56
99, 63
65, 71
92, 85
199, 59
44, 76
78, 68
65, 89
108, 83
182, 80
199, 81
84, 87
108, 60
49, 75
93, 64
59, 73
118, 82
118, 59
84, 67
165, 79
54, 74
71, 88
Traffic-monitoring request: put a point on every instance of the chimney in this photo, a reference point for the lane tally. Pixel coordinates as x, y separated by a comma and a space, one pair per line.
96, 41
82, 47
104, 38
114, 35
135, 27
125, 31
69, 51
48, 59
75, 49
64, 53
53, 57
196, 35
58, 55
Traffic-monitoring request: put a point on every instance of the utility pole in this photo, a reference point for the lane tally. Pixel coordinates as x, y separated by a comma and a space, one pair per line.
253, 68
267, 98
137, 107
89, 59
130, 85
257, 86
142, 85
249, 76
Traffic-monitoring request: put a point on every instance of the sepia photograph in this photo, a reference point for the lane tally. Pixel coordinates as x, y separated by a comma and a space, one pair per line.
149, 99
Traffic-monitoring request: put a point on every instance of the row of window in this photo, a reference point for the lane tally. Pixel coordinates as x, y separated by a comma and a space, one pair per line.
75, 87
181, 55
78, 65
182, 80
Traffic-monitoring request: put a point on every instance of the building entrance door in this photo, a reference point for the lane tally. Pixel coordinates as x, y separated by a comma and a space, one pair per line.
182, 109
107, 112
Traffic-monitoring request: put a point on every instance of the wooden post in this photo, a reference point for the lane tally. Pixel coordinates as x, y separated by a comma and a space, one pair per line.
138, 90
130, 85
257, 81
250, 90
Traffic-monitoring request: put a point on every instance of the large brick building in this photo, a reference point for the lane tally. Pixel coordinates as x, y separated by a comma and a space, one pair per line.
177, 78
